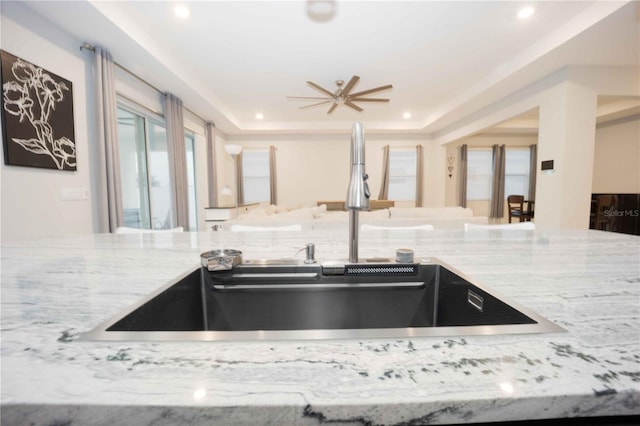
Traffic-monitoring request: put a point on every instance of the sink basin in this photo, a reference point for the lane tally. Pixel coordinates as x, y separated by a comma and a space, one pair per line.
293, 300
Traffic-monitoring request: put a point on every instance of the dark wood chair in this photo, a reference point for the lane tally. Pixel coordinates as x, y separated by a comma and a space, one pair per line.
516, 208
530, 210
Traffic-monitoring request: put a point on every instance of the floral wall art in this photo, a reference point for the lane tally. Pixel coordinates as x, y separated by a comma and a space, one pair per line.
37, 116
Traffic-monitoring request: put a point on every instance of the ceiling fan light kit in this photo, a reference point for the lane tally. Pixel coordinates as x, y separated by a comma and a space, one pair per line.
341, 96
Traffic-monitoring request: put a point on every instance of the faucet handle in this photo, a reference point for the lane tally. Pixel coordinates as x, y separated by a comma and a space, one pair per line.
367, 193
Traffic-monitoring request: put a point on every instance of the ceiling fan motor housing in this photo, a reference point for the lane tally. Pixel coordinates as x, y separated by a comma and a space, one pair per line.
342, 95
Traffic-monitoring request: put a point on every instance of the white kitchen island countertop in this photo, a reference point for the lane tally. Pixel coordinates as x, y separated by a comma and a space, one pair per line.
588, 282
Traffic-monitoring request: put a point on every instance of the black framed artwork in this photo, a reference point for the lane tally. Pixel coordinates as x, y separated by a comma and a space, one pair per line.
37, 116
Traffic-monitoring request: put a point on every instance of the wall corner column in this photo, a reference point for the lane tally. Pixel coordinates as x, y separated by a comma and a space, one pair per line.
566, 136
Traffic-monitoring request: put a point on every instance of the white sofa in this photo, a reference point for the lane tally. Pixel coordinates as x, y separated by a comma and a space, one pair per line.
320, 219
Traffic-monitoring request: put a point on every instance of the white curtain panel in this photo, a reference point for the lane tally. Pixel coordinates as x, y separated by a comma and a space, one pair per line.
462, 179
497, 188
211, 165
177, 159
239, 180
384, 185
273, 178
108, 183
419, 175
533, 159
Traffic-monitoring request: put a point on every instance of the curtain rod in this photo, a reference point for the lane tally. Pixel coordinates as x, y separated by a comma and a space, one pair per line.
403, 147
88, 46
491, 146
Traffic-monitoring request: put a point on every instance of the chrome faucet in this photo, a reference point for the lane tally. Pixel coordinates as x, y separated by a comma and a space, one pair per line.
358, 191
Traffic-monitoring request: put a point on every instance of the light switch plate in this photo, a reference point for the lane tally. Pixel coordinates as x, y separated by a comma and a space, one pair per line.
72, 194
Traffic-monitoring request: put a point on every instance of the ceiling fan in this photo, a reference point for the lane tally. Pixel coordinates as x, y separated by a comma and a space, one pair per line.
342, 95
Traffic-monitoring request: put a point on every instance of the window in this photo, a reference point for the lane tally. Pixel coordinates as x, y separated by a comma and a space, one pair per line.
190, 147
402, 175
479, 173
255, 176
516, 179
144, 170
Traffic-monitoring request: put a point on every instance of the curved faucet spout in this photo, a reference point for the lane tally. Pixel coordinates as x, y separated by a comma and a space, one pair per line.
357, 144
358, 191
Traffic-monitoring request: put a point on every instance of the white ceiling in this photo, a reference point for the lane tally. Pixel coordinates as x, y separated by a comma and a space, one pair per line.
232, 59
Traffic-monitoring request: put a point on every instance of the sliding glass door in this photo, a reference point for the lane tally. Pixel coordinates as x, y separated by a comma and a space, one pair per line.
190, 144
144, 169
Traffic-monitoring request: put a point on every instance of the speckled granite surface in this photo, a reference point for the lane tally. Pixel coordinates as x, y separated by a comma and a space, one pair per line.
588, 282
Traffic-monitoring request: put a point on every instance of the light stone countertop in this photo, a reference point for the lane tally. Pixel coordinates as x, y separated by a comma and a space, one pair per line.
588, 282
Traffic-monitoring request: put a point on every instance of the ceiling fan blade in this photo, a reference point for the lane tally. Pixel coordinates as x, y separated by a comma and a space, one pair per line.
350, 85
320, 89
352, 105
306, 98
332, 108
368, 99
313, 105
366, 92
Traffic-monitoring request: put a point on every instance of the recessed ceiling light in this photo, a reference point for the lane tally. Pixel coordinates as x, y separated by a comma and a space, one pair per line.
526, 12
407, 115
182, 11
259, 116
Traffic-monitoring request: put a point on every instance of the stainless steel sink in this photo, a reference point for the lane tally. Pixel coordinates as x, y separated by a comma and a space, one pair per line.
288, 299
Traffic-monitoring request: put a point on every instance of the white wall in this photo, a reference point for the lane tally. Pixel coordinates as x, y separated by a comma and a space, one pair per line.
567, 126
566, 136
616, 166
311, 168
32, 204
480, 207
